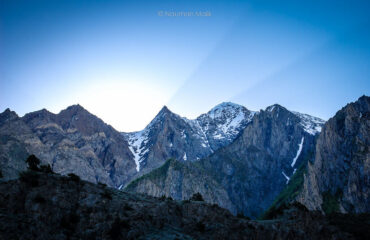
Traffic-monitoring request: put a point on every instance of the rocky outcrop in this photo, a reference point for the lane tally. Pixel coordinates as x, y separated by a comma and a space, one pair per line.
167, 136
180, 180
250, 172
16, 139
49, 206
339, 177
73, 141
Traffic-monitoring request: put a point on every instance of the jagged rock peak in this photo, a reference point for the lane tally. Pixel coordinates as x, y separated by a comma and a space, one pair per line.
8, 112
363, 98
8, 115
223, 106
364, 102
75, 108
43, 113
274, 108
164, 110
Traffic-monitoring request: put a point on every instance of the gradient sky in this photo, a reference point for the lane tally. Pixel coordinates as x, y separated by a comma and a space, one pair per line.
123, 62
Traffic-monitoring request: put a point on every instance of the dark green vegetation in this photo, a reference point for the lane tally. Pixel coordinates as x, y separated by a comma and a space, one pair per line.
156, 173
277, 210
196, 197
33, 165
74, 177
33, 162
330, 202
287, 195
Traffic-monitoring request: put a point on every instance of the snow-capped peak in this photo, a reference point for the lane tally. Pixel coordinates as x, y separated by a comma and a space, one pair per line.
225, 121
275, 107
200, 137
221, 108
310, 124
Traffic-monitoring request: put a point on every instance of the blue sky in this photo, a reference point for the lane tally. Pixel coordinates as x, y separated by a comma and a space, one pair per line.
123, 62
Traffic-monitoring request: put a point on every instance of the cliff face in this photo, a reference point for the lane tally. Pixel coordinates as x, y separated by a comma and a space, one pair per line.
13, 150
180, 180
258, 165
167, 136
72, 141
247, 174
339, 177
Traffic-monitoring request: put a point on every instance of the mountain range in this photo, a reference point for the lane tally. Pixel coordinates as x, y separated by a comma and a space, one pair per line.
245, 175
241, 160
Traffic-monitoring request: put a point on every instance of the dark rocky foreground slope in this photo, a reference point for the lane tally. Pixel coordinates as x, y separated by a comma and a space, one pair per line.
51, 206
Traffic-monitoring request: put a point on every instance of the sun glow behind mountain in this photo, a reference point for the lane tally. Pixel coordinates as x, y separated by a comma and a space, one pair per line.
123, 61
124, 103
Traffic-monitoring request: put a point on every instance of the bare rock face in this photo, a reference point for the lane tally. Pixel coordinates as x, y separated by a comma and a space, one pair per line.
257, 166
248, 173
180, 180
167, 136
339, 178
73, 141
15, 140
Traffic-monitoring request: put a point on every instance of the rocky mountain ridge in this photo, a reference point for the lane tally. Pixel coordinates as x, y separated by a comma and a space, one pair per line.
72, 141
169, 135
76, 141
247, 174
255, 171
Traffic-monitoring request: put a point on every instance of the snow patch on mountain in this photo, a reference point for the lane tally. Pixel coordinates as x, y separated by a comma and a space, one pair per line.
198, 131
310, 124
270, 108
287, 178
300, 146
218, 136
137, 141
